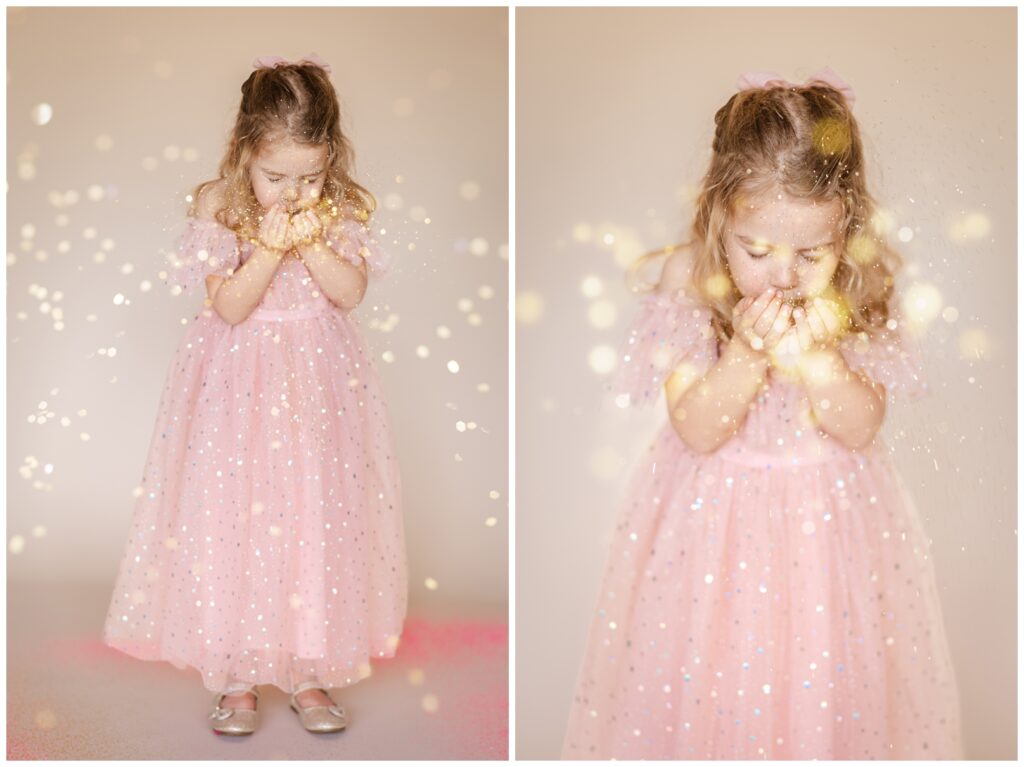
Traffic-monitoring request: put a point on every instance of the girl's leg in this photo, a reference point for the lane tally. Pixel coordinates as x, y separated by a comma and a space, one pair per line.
239, 694
303, 683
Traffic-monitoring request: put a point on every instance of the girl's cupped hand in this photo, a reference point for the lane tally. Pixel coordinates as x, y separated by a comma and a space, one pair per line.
275, 231
762, 321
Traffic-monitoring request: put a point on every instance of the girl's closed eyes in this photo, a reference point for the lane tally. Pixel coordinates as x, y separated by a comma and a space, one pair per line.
307, 180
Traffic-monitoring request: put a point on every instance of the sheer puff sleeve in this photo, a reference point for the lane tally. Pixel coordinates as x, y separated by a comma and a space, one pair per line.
205, 247
355, 242
670, 330
890, 357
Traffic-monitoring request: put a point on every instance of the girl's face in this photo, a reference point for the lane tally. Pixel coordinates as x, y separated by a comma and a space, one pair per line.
776, 241
289, 173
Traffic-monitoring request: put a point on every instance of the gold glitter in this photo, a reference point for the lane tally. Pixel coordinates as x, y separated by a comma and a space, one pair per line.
430, 703
830, 136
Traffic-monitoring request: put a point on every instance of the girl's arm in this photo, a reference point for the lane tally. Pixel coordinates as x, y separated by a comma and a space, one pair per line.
341, 281
234, 298
710, 411
846, 405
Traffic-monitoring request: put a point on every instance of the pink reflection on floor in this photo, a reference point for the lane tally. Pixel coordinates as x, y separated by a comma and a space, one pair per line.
479, 714
460, 664
424, 640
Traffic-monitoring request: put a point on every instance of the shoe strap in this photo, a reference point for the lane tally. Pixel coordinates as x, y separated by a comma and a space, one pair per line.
250, 689
310, 685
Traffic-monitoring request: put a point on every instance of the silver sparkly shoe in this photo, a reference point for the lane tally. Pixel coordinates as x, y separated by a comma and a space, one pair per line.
318, 718
234, 721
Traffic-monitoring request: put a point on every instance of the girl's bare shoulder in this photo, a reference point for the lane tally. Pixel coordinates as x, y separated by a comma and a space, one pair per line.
211, 200
675, 273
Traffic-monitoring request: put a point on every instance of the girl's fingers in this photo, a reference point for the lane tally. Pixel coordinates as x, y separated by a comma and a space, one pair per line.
817, 325
779, 327
789, 343
739, 309
764, 323
828, 315
803, 331
757, 307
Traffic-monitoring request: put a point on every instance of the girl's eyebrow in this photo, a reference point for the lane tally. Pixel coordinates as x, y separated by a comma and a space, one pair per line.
801, 250
275, 173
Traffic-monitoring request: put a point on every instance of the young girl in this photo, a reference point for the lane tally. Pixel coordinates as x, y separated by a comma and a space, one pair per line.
769, 592
267, 545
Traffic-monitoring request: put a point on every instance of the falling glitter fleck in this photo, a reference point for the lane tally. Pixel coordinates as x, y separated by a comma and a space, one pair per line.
529, 307
602, 359
592, 286
42, 114
602, 314
478, 246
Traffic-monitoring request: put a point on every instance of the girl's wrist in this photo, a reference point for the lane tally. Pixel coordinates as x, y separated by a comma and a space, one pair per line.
277, 253
741, 351
829, 367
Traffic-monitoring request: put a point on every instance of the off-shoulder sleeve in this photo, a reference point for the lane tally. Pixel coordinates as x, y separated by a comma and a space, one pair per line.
354, 241
204, 247
668, 331
890, 357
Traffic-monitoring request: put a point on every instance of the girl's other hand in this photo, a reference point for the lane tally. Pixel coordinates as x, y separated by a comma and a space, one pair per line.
816, 325
761, 322
306, 226
274, 231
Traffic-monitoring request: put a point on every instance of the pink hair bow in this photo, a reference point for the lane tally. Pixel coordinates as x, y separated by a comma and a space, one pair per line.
826, 75
275, 61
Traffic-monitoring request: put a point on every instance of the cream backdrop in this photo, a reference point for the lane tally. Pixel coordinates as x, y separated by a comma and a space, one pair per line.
615, 115
113, 115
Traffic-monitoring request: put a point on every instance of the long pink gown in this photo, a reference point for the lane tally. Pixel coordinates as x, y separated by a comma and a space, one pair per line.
267, 546
774, 599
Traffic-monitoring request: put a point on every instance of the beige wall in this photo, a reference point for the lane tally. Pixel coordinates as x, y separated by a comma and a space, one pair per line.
614, 120
426, 98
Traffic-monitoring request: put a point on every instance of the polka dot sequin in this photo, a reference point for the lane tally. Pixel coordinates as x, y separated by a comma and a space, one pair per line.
774, 599
267, 544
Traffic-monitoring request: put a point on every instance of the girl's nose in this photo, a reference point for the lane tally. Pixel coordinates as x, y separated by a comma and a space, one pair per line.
785, 276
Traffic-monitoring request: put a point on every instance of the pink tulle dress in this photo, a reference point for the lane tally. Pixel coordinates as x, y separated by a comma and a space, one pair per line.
774, 599
267, 544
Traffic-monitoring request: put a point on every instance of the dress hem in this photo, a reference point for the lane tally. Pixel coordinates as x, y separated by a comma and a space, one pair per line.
184, 664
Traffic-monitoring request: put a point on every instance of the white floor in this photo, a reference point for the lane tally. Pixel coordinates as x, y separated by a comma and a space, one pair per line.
69, 696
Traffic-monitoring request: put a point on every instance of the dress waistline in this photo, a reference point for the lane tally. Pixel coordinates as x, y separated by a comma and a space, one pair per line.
283, 315
764, 459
